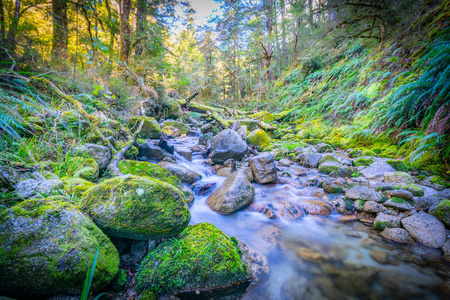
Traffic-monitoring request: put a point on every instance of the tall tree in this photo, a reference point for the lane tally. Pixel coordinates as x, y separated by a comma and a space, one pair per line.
60, 29
11, 39
125, 30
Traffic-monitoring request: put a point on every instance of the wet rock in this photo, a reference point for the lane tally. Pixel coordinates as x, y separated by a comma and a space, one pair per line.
289, 210
137, 208
184, 174
413, 188
424, 203
209, 127
444, 193
187, 154
227, 144
376, 170
405, 195
8, 177
356, 281
149, 151
316, 207
441, 211
323, 148
398, 204
256, 262
373, 207
360, 192
398, 177
309, 160
225, 172
183, 128
190, 271
398, 235
171, 131
383, 221
203, 188
331, 187
358, 205
348, 218
35, 188
328, 158
235, 193
269, 212
263, 168
101, 154
203, 140
425, 229
446, 250
309, 254
343, 206
380, 256
284, 162
330, 167
46, 248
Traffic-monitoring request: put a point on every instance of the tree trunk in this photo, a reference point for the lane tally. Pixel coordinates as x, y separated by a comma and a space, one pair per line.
2, 22
11, 39
112, 30
125, 31
60, 32
283, 32
141, 24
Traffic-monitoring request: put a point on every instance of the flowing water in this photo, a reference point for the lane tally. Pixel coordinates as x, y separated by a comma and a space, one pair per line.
320, 257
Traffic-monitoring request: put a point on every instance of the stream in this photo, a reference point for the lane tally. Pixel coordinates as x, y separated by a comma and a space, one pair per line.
319, 257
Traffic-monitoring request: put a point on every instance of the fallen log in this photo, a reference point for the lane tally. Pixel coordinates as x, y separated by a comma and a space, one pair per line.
219, 119
266, 126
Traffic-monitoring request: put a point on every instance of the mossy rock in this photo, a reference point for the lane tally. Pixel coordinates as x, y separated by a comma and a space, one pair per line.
413, 188
169, 109
71, 119
250, 124
439, 181
312, 141
137, 208
150, 130
131, 153
201, 258
258, 138
86, 168
399, 165
76, 187
355, 153
442, 212
369, 153
268, 117
363, 162
328, 158
330, 167
184, 129
46, 247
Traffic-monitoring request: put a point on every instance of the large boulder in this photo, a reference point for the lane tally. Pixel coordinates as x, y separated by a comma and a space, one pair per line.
38, 188
263, 168
202, 262
258, 138
101, 154
398, 177
150, 129
8, 177
137, 208
183, 173
150, 151
360, 192
376, 170
425, 229
46, 248
153, 171
442, 211
183, 128
227, 144
309, 160
330, 167
235, 193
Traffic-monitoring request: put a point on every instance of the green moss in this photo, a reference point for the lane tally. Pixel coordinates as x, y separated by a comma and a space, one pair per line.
355, 153
413, 188
381, 225
368, 153
150, 129
184, 129
76, 187
398, 200
363, 162
349, 203
398, 165
442, 210
356, 175
312, 141
268, 117
258, 138
439, 180
201, 256
328, 158
131, 153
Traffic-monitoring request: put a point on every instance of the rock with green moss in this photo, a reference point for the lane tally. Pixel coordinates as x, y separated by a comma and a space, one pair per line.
355, 153
328, 158
369, 153
263, 116
150, 130
131, 153
170, 109
363, 162
251, 125
184, 174
200, 262
413, 188
184, 129
46, 248
101, 154
358, 205
442, 212
398, 177
153, 171
330, 167
398, 165
86, 168
72, 119
137, 208
398, 204
76, 187
258, 138
383, 221
312, 141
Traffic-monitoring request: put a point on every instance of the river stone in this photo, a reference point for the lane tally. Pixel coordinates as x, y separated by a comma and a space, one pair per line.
426, 229
358, 205
203, 140
149, 151
376, 170
330, 167
236, 192
258, 138
46, 248
227, 144
331, 187
380, 256
8, 177
444, 193
101, 154
405, 195
263, 168
424, 203
383, 221
288, 210
316, 207
360, 192
171, 131
309, 160
398, 204
284, 162
398, 235
209, 264
35, 188
153, 171
373, 207
225, 172
184, 129
446, 250
183, 173
137, 208
328, 158
442, 211
398, 177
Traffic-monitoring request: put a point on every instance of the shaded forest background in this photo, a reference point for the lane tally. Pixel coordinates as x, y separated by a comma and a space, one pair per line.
356, 73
